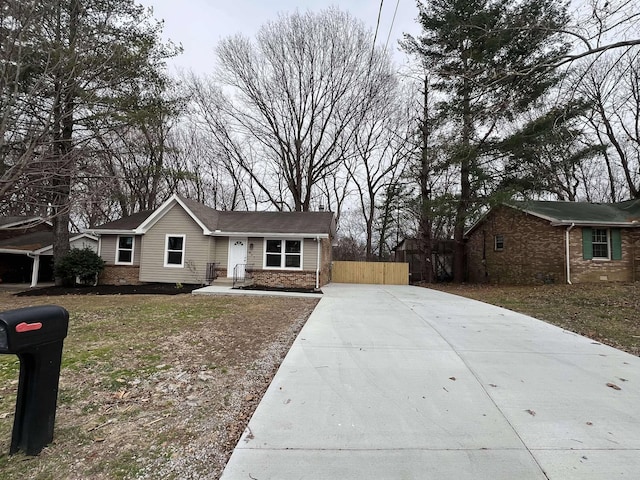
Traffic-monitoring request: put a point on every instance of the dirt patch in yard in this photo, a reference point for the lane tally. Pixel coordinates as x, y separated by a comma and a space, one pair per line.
153, 386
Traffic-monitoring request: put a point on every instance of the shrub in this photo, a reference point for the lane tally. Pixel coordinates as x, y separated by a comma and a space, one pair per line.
84, 265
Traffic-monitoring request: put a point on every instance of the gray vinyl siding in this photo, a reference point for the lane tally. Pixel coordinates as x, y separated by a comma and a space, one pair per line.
309, 254
255, 255
197, 249
108, 244
221, 252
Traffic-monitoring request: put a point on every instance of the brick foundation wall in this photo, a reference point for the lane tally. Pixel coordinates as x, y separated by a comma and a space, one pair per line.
534, 251
284, 279
221, 273
120, 275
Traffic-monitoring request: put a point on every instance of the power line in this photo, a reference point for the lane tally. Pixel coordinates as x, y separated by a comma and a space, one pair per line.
375, 36
386, 45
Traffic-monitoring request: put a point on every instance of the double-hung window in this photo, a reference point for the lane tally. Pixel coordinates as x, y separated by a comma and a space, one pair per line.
124, 251
283, 254
174, 251
600, 242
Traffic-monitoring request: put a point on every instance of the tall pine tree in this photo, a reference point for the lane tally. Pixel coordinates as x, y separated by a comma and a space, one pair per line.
95, 63
489, 60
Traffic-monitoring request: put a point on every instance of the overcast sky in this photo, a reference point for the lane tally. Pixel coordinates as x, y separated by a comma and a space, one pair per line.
199, 24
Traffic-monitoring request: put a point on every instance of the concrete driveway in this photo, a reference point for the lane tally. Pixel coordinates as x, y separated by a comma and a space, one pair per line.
390, 382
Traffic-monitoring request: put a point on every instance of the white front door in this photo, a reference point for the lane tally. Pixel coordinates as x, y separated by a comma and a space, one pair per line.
237, 256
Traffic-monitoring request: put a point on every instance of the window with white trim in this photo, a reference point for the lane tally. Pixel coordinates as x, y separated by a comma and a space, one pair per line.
174, 251
283, 254
600, 242
124, 250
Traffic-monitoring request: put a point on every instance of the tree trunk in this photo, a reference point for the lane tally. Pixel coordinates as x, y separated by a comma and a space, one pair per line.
425, 240
462, 209
64, 105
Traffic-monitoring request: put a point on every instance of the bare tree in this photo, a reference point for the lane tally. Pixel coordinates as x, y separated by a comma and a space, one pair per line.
300, 92
381, 149
614, 91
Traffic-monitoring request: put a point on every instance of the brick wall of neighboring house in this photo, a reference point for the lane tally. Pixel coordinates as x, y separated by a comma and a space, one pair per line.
120, 275
284, 279
533, 253
584, 271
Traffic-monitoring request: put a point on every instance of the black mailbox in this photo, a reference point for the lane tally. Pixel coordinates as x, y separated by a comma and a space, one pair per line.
35, 334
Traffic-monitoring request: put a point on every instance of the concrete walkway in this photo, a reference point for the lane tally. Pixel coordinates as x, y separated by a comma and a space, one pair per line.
387, 382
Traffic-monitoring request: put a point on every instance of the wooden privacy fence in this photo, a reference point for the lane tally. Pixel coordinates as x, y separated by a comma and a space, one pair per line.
381, 273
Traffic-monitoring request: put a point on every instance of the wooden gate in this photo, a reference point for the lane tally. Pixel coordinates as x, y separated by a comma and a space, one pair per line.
380, 273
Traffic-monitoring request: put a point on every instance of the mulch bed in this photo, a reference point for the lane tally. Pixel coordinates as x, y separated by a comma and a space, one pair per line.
145, 289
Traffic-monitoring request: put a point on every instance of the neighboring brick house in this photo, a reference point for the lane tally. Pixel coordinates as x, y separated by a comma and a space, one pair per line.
183, 241
555, 242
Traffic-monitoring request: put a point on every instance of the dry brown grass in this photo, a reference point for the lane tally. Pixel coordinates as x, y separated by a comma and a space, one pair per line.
606, 312
153, 386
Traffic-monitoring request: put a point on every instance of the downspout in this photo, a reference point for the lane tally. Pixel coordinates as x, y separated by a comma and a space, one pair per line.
318, 265
568, 252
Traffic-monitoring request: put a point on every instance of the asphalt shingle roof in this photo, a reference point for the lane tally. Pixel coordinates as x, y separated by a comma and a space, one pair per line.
276, 222
582, 212
130, 222
18, 219
305, 223
28, 242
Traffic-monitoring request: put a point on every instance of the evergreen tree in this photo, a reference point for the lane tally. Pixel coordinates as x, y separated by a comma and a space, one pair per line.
489, 63
94, 63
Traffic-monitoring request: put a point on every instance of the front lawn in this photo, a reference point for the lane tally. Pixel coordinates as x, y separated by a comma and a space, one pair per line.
153, 386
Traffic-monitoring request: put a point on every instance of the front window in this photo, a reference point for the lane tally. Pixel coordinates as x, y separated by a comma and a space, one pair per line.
600, 242
124, 252
285, 254
174, 251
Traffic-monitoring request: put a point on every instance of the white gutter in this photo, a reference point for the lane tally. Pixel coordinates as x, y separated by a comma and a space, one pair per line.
568, 253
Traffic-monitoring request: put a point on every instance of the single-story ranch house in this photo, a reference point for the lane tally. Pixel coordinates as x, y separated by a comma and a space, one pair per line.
183, 241
555, 242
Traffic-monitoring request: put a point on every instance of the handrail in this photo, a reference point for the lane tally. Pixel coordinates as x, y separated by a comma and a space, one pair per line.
240, 274
212, 274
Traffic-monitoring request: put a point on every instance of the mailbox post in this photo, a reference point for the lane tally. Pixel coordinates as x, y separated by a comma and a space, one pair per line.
35, 335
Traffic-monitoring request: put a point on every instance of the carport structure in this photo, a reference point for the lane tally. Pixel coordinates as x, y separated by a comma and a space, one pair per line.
26, 249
